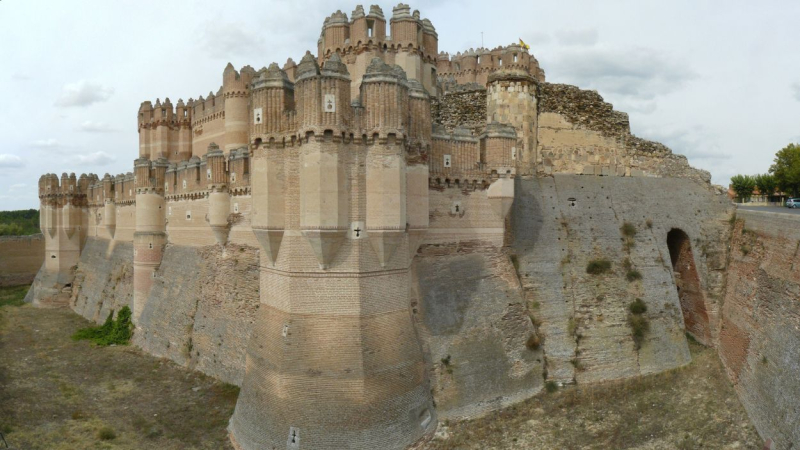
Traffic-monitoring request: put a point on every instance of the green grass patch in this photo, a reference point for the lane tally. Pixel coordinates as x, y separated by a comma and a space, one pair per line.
550, 386
628, 229
13, 296
633, 275
598, 266
113, 332
639, 328
638, 306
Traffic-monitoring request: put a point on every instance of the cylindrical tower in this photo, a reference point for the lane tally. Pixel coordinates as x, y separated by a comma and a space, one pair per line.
145, 120
331, 281
237, 95
150, 237
219, 200
511, 98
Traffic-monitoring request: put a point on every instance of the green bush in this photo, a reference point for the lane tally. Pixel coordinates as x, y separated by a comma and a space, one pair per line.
112, 332
637, 306
633, 275
598, 266
550, 387
628, 229
106, 434
639, 328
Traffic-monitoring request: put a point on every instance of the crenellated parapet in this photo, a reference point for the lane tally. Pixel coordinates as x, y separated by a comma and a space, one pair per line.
413, 43
475, 66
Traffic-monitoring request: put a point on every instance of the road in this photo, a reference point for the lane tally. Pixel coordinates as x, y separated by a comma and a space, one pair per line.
772, 209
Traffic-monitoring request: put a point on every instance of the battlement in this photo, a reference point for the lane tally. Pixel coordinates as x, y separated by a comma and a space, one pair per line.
476, 65
50, 187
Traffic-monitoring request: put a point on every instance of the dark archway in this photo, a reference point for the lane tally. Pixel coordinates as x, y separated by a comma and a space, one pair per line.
687, 282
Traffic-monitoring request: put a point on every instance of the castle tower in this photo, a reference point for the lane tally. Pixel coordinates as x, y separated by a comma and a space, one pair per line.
511, 99
109, 206
335, 31
184, 131
145, 120
237, 114
334, 361
62, 219
150, 235
219, 200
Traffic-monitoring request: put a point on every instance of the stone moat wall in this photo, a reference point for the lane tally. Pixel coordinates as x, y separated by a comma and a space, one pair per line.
759, 336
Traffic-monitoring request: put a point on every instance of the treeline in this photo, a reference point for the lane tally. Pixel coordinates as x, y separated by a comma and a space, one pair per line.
19, 223
783, 177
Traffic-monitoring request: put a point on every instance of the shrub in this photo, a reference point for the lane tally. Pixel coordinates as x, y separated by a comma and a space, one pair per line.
637, 306
112, 332
649, 223
106, 434
628, 229
533, 342
550, 387
598, 266
633, 275
627, 264
745, 249
639, 328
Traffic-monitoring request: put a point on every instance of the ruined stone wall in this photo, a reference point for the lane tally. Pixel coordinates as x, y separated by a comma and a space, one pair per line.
580, 133
562, 223
103, 279
20, 259
460, 106
759, 342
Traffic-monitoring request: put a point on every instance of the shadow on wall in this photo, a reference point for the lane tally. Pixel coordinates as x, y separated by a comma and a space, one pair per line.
687, 282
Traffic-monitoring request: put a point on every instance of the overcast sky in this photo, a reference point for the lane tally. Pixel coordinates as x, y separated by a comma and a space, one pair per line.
716, 81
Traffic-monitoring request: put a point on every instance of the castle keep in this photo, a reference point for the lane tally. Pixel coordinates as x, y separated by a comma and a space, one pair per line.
361, 239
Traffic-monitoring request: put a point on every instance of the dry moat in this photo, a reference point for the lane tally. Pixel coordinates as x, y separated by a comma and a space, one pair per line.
61, 394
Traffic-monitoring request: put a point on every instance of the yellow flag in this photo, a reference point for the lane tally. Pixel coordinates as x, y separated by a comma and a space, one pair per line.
524, 45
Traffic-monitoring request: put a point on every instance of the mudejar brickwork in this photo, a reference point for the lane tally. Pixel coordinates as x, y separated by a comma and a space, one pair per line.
367, 240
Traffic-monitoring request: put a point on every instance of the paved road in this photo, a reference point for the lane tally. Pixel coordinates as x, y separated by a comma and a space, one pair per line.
773, 209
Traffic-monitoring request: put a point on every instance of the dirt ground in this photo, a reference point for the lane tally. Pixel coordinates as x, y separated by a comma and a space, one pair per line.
56, 393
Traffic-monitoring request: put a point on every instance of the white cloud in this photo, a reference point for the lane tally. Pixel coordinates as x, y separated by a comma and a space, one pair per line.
639, 74
83, 93
796, 91
95, 159
585, 37
46, 143
96, 127
8, 161
232, 39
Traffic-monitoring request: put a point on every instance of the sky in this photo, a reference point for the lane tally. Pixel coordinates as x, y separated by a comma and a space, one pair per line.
717, 81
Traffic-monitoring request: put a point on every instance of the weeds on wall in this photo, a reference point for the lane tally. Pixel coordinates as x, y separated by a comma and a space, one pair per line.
598, 266
638, 322
113, 332
633, 275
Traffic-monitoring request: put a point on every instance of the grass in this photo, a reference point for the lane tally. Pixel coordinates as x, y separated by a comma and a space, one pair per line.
13, 296
745, 249
628, 229
59, 394
639, 328
598, 266
633, 275
550, 387
637, 306
113, 332
106, 434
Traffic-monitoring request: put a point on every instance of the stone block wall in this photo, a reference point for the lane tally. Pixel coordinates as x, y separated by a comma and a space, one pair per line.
20, 259
759, 337
562, 223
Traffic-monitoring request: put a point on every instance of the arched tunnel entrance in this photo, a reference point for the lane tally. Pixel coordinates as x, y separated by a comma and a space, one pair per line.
687, 282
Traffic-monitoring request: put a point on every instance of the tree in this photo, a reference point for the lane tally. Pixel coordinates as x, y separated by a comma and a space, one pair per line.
766, 184
786, 169
743, 186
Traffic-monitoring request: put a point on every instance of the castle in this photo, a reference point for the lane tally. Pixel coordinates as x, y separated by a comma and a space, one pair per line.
325, 233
